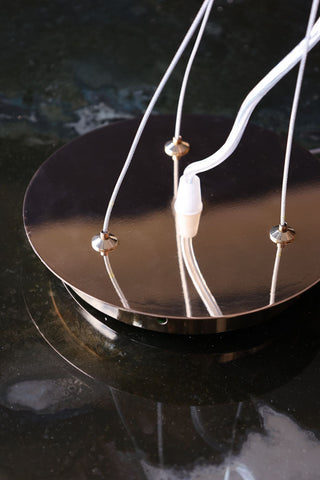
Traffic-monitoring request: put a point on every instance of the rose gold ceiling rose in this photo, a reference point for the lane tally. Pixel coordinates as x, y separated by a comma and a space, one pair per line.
139, 283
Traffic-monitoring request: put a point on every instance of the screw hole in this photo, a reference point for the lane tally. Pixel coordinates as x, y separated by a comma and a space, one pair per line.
163, 321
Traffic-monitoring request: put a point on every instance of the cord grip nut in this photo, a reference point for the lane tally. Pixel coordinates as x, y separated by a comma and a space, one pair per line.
104, 243
176, 147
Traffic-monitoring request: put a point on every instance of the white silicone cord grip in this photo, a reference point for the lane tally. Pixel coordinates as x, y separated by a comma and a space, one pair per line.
188, 206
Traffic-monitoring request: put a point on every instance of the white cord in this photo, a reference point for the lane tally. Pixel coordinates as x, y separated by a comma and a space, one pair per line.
183, 278
188, 69
175, 175
206, 7
294, 109
149, 109
275, 274
197, 278
250, 102
114, 282
184, 283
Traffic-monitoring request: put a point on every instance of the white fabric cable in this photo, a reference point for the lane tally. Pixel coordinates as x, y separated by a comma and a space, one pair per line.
176, 161
197, 278
293, 115
183, 92
204, 11
183, 278
275, 273
149, 109
115, 283
188, 69
250, 102
175, 175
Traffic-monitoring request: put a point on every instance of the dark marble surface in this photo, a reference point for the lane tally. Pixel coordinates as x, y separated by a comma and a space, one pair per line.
81, 402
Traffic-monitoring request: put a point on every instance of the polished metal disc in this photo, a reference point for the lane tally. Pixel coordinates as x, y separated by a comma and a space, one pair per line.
66, 201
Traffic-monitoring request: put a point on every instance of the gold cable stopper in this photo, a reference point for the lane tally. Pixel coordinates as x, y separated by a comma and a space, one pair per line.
176, 148
282, 234
104, 243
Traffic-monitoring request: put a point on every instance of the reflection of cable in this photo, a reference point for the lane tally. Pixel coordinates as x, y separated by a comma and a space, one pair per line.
160, 433
314, 151
196, 420
149, 109
115, 283
233, 436
243, 471
275, 273
197, 278
123, 420
139, 453
294, 109
240, 468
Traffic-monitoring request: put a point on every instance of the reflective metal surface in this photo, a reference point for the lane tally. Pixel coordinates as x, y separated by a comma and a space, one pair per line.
66, 200
195, 370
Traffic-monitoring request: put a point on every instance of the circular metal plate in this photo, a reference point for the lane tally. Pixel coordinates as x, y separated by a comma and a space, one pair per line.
66, 201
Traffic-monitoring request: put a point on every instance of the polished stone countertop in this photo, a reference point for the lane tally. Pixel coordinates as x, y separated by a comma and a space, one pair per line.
82, 398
